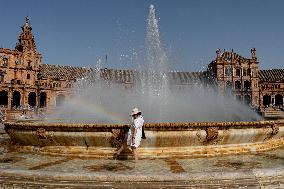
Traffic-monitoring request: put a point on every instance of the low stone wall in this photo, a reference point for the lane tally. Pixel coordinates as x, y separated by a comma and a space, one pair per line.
163, 139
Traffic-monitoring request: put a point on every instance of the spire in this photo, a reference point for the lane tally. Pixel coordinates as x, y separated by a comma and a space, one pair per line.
26, 39
27, 22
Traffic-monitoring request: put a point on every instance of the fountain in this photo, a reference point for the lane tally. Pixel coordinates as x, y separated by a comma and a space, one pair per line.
194, 122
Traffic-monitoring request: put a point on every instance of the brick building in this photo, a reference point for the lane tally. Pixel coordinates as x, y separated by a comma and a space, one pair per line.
241, 77
27, 84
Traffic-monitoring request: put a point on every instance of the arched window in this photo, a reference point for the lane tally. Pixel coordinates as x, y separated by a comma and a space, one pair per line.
238, 85
249, 72
244, 72
266, 100
42, 99
278, 100
228, 71
239, 97
228, 85
247, 99
5, 62
60, 100
4, 98
32, 99
238, 72
16, 99
247, 85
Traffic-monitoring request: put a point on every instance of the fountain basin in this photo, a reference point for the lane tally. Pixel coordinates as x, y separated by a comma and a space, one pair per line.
163, 139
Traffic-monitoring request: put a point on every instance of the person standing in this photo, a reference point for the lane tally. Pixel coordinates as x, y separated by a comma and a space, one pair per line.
134, 134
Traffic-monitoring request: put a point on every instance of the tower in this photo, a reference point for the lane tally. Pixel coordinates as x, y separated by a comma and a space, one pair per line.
29, 58
237, 75
26, 38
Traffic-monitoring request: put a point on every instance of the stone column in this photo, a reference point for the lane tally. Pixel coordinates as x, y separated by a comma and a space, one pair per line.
9, 99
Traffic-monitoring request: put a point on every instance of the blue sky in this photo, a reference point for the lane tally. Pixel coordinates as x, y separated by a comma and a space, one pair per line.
78, 33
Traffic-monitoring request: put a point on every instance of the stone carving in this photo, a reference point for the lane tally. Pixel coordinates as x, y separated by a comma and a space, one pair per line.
275, 129
218, 52
41, 133
211, 133
253, 54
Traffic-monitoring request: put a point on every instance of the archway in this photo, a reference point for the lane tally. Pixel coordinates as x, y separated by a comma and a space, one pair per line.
278, 100
42, 99
247, 85
32, 99
60, 100
239, 97
266, 100
238, 85
247, 99
16, 99
228, 85
4, 98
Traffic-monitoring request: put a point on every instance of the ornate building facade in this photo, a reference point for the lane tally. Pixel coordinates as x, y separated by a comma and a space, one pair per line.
241, 77
27, 84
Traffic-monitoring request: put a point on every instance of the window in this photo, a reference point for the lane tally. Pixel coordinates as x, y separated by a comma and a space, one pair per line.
228, 71
238, 72
18, 61
228, 85
28, 76
249, 72
238, 85
5, 61
247, 99
244, 72
247, 85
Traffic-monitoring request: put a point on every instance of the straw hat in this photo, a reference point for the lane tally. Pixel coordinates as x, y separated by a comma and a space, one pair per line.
135, 111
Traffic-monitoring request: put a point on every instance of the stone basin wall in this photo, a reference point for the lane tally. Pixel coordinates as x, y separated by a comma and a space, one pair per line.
198, 138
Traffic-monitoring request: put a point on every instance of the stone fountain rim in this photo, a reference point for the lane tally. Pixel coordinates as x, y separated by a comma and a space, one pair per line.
170, 125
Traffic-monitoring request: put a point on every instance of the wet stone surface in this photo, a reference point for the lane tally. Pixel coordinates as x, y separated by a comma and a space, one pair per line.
11, 160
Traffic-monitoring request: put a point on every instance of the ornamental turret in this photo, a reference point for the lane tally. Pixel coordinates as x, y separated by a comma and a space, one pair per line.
26, 39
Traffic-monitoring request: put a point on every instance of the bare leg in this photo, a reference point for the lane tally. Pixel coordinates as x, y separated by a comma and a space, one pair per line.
135, 154
123, 146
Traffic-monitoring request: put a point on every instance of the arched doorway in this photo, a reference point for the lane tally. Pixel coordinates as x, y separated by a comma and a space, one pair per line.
42, 99
238, 85
60, 100
32, 99
247, 99
3, 98
266, 100
247, 85
228, 86
278, 100
239, 97
16, 99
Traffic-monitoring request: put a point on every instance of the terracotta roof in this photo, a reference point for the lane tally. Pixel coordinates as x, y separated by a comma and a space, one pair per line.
73, 73
232, 55
271, 75
119, 76
63, 72
188, 77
